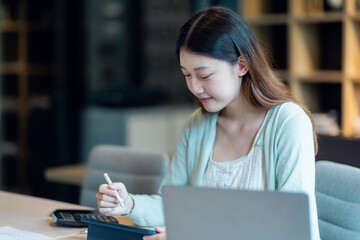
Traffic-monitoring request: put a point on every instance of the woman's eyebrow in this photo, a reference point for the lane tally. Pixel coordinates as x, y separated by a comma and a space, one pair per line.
196, 69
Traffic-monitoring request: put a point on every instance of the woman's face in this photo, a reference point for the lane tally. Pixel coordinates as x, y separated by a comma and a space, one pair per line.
216, 83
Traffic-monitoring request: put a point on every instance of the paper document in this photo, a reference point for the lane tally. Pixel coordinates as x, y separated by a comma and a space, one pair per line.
10, 233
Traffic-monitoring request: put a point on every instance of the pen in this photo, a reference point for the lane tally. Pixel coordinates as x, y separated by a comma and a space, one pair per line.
108, 180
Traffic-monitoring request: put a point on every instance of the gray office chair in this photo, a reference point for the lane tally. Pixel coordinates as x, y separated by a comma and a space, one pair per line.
140, 171
338, 200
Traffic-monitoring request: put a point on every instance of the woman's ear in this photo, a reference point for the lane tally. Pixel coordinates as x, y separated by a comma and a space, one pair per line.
241, 66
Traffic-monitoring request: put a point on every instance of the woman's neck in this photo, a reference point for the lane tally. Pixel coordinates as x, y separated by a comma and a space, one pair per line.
241, 111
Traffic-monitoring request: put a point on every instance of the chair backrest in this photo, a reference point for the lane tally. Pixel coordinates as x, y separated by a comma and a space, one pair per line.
338, 200
140, 171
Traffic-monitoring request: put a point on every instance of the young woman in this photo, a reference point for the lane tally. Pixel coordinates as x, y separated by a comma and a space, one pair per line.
249, 132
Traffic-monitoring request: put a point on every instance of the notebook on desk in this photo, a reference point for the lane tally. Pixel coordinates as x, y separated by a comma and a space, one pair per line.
212, 214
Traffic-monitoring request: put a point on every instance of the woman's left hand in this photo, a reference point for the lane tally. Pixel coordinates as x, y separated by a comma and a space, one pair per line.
160, 236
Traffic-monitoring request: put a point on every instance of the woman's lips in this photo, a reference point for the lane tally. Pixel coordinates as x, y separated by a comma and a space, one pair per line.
204, 100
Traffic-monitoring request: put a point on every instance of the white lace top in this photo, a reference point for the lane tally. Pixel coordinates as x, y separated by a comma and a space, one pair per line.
247, 172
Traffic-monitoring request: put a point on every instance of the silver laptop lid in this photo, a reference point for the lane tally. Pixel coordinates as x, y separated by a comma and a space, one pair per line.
213, 214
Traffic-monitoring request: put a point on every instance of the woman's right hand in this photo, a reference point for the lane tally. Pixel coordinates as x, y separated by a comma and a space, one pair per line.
161, 235
107, 202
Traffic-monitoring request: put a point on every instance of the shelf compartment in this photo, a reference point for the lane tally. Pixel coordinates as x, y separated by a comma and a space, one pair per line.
317, 47
41, 48
9, 148
328, 17
10, 68
10, 86
9, 26
329, 76
40, 10
39, 69
39, 26
310, 7
356, 17
10, 46
10, 9
40, 101
40, 85
323, 97
273, 39
269, 19
9, 104
15, 68
10, 119
255, 8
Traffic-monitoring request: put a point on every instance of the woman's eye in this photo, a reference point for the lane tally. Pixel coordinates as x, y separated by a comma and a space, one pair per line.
205, 77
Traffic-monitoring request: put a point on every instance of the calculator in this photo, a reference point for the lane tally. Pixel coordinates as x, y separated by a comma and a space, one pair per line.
74, 217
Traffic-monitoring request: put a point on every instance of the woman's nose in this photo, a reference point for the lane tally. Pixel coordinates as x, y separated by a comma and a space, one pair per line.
195, 86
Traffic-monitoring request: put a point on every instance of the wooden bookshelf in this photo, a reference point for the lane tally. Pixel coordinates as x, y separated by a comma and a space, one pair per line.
22, 70
321, 48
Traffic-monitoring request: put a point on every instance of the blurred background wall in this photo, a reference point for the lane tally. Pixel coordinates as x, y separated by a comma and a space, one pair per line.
75, 73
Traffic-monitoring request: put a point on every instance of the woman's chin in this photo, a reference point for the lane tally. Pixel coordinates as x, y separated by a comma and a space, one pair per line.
211, 108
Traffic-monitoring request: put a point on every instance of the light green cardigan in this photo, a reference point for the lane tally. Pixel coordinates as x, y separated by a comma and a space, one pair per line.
288, 147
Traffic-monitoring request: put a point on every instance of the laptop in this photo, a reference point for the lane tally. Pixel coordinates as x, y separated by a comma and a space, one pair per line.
213, 214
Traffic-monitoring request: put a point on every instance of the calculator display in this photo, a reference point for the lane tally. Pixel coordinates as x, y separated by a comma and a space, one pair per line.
67, 216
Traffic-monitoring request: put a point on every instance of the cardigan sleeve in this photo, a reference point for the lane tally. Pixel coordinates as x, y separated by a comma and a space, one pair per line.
148, 209
295, 163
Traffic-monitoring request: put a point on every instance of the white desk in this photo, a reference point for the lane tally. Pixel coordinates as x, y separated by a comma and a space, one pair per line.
31, 214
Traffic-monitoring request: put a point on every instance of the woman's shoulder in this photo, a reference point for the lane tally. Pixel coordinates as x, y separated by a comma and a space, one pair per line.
288, 115
288, 110
287, 121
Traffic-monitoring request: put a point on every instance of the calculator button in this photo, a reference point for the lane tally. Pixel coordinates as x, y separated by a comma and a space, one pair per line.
99, 217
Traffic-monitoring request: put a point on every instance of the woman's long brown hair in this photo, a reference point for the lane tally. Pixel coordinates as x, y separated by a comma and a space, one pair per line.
221, 33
